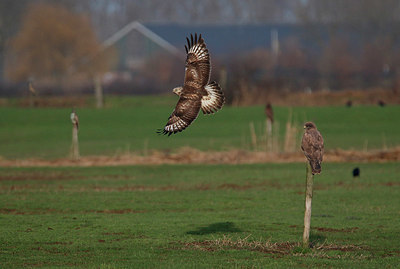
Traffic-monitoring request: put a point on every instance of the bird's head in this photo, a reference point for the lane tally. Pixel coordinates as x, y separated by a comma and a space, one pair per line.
309, 125
177, 91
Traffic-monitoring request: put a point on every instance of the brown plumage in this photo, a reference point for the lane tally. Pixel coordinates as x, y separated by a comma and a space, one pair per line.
197, 93
312, 145
269, 112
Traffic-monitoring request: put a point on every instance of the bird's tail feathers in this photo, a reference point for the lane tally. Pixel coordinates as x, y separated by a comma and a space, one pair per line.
315, 167
215, 99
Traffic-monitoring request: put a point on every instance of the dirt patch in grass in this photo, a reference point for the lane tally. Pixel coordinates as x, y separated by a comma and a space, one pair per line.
194, 156
279, 249
391, 184
12, 211
117, 211
55, 175
332, 230
148, 188
41, 211
31, 175
56, 243
245, 244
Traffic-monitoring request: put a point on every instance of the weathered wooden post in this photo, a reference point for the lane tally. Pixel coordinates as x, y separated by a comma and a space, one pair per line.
312, 145
75, 143
98, 91
253, 135
270, 119
307, 212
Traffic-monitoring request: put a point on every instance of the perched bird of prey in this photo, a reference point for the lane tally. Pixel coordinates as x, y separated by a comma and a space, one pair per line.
312, 145
356, 172
197, 92
269, 112
74, 119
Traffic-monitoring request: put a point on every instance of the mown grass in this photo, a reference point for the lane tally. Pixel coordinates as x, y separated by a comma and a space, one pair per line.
207, 216
129, 124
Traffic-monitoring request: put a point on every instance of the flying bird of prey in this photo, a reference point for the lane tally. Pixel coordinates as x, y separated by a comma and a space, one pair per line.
312, 145
269, 112
197, 92
74, 119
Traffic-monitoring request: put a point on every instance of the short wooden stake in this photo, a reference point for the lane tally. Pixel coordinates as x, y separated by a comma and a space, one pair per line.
269, 135
307, 213
75, 144
253, 135
98, 92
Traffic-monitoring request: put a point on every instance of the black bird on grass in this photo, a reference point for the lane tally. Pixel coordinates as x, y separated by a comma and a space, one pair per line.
356, 172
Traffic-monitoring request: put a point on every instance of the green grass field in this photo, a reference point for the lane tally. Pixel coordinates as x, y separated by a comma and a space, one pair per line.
207, 216
129, 124
203, 216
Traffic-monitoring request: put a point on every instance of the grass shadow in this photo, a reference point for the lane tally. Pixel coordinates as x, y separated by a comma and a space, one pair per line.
220, 227
316, 239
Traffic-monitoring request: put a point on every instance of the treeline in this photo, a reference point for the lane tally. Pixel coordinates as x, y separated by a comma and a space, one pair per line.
57, 45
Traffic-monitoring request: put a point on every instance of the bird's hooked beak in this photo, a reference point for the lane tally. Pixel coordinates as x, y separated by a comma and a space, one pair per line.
177, 91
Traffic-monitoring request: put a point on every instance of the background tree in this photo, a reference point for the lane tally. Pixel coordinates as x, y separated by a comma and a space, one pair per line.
337, 64
10, 11
53, 45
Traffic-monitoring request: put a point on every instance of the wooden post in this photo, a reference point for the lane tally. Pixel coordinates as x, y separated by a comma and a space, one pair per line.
253, 135
32, 93
269, 135
98, 91
75, 144
307, 213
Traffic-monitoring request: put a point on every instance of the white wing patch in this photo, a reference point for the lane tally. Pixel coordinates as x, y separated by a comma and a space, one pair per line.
197, 47
215, 99
176, 126
200, 51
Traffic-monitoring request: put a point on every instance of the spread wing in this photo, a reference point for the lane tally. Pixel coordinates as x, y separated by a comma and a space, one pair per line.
184, 114
214, 100
198, 68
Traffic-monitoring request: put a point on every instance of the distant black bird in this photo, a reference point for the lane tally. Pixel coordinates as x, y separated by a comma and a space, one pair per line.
349, 103
381, 103
356, 172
